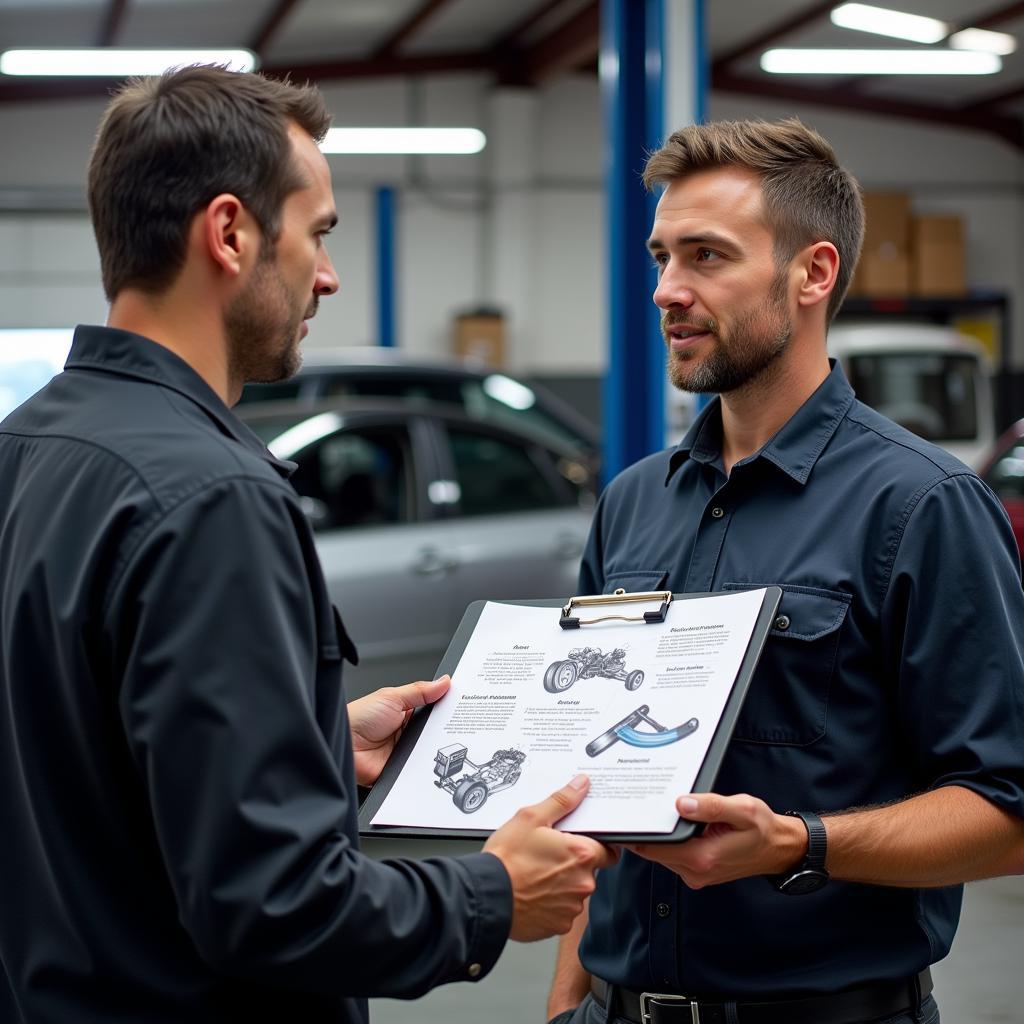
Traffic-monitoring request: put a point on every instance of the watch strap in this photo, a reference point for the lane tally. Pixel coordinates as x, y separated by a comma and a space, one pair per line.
817, 839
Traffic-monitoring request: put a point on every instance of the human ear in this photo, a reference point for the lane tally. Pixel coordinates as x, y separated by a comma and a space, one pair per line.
229, 233
820, 266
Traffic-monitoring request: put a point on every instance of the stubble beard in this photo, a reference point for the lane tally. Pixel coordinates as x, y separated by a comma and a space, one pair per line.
262, 327
740, 358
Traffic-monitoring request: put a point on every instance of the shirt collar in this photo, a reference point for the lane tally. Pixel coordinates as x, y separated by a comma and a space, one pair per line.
796, 446
125, 354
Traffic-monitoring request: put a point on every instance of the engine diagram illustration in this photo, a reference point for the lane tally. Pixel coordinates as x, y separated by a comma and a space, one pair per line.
587, 662
627, 732
471, 784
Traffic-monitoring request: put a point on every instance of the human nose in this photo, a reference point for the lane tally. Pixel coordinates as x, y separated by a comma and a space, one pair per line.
673, 290
326, 282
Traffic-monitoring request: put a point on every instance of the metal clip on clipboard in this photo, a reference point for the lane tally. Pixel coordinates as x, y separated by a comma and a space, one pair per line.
570, 621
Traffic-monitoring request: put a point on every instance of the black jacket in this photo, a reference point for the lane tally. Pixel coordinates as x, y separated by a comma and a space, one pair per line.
177, 795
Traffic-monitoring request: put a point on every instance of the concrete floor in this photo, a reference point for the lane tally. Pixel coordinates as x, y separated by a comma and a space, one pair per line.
980, 982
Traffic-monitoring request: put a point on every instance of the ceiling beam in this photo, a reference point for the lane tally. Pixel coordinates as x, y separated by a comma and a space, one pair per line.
510, 38
113, 21
1010, 129
573, 43
996, 17
268, 29
408, 28
783, 28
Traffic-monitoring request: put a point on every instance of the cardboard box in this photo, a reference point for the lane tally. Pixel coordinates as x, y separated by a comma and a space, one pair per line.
938, 255
884, 267
480, 337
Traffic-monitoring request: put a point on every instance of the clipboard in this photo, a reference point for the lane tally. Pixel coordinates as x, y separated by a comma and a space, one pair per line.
707, 774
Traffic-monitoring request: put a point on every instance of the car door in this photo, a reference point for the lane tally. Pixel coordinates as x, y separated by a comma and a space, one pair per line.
516, 526
363, 487
1006, 478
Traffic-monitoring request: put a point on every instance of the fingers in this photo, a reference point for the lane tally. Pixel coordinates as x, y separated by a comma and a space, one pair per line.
561, 802
730, 810
415, 695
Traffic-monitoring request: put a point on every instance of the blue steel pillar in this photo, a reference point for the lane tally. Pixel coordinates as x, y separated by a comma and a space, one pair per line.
386, 267
631, 77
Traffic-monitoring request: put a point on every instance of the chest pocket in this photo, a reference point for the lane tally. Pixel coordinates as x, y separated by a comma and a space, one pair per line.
636, 581
787, 703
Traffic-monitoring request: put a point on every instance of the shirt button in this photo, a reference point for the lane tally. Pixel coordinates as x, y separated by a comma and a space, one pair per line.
474, 970
663, 909
718, 512
782, 622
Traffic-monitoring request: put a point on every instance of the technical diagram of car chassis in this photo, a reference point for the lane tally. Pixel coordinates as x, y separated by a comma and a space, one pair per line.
470, 792
588, 662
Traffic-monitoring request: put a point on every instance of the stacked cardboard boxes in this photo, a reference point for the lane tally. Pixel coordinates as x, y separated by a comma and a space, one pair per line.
480, 337
908, 254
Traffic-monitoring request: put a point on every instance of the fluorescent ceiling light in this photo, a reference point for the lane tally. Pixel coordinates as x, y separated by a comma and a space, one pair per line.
981, 39
509, 392
403, 140
112, 62
883, 22
879, 62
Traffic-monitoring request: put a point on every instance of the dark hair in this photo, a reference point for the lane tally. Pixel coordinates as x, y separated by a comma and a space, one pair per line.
169, 144
807, 196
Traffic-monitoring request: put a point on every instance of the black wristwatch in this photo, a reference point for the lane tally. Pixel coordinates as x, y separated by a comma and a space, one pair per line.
810, 874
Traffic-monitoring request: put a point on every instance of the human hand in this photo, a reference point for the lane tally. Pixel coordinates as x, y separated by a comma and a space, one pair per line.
552, 872
378, 719
743, 837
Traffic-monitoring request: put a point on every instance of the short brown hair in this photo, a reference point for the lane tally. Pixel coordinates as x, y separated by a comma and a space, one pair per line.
169, 144
807, 196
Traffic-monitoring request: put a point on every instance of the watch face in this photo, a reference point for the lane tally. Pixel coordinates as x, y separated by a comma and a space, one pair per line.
803, 882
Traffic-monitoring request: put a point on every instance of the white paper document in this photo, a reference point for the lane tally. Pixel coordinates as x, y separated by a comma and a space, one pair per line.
531, 705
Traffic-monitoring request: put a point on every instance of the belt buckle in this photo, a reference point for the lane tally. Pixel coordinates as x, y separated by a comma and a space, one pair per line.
645, 1003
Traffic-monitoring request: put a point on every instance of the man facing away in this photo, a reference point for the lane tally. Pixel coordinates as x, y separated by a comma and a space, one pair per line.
877, 763
177, 768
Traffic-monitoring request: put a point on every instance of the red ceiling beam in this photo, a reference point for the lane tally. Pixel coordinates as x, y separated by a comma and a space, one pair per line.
573, 43
113, 20
996, 17
274, 20
408, 28
520, 29
1009, 129
778, 31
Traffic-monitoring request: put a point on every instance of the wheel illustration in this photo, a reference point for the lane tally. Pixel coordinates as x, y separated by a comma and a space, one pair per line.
469, 795
560, 676
634, 679
513, 776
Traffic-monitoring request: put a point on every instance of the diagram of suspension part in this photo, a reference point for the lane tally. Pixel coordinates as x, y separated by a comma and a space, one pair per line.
627, 732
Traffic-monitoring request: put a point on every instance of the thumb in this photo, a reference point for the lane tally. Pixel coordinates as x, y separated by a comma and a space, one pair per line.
563, 800
414, 695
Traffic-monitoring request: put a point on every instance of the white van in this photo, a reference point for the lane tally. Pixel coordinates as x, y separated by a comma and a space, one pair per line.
931, 379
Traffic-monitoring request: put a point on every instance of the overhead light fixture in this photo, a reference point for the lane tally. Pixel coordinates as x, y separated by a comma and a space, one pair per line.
883, 22
983, 40
113, 62
403, 140
879, 62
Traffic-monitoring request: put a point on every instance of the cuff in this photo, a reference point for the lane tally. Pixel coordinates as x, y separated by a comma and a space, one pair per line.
492, 895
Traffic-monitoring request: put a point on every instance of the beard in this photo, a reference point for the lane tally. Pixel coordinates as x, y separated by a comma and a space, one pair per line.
262, 327
741, 355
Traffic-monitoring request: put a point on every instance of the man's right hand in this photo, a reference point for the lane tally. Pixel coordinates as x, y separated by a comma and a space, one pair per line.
552, 872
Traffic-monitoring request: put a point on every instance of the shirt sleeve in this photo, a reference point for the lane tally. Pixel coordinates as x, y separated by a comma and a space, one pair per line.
952, 619
221, 674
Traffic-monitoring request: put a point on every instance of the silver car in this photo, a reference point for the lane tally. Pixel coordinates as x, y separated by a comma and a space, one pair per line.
419, 509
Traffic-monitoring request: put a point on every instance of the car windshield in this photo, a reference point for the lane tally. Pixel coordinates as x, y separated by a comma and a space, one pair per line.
932, 394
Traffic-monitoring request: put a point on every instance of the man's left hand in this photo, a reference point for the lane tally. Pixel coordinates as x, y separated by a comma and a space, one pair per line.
378, 719
743, 837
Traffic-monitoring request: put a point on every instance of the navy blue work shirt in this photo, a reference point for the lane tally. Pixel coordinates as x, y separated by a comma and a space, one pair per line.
179, 838
895, 666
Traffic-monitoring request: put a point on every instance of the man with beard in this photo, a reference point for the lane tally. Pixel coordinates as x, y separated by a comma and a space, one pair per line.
177, 769
877, 763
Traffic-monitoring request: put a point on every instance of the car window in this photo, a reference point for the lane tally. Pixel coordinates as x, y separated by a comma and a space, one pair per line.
934, 395
495, 476
1006, 477
356, 477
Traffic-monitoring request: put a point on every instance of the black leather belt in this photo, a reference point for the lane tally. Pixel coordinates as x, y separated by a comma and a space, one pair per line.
849, 1007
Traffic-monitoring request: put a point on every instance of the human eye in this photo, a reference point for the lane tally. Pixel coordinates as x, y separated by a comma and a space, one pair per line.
706, 255
659, 260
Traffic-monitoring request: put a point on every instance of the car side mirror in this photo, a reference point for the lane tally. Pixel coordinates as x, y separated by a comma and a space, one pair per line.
315, 511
